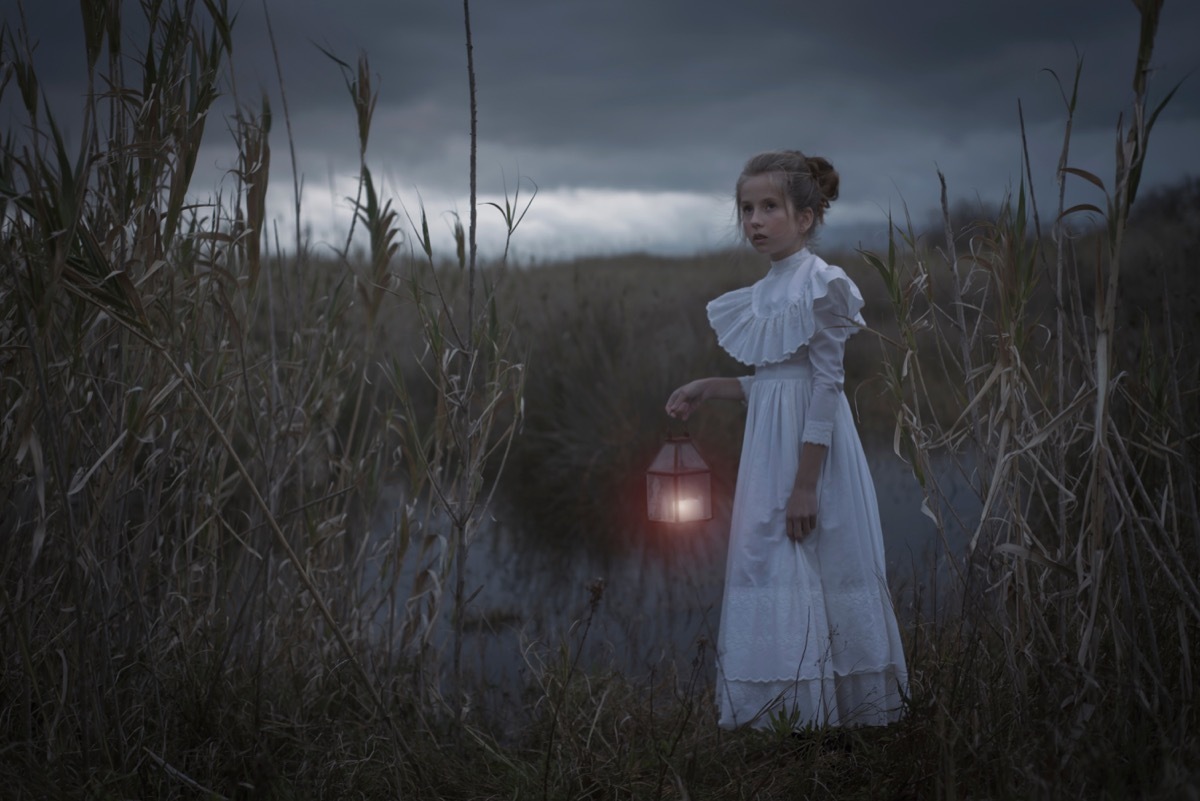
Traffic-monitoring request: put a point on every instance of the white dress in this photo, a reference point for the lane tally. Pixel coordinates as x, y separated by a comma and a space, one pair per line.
807, 631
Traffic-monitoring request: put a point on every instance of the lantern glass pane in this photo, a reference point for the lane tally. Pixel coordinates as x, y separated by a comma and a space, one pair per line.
693, 498
689, 457
664, 462
661, 495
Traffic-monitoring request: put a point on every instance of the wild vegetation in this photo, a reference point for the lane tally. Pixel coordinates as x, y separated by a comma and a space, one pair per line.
208, 591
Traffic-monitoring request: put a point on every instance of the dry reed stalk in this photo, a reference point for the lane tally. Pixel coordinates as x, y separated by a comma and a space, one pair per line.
144, 521
1080, 556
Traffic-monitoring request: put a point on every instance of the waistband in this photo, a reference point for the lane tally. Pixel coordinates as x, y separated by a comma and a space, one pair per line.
784, 370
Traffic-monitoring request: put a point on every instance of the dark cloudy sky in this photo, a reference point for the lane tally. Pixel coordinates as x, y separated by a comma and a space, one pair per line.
635, 116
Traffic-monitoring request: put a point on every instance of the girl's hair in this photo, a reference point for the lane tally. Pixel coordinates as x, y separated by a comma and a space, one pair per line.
808, 182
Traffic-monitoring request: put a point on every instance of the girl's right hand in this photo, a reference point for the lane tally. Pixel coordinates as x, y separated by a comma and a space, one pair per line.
686, 399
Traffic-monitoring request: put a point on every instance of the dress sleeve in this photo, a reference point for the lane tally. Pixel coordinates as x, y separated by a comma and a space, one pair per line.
835, 314
746, 381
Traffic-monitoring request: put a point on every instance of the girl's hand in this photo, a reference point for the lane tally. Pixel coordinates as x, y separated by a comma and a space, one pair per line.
686, 399
801, 513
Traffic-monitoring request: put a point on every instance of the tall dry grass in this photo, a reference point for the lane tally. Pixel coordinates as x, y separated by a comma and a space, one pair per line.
1079, 584
195, 437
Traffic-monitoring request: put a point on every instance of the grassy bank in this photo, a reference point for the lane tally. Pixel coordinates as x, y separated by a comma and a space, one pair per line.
197, 598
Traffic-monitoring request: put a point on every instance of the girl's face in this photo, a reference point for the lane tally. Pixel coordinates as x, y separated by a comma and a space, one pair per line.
768, 222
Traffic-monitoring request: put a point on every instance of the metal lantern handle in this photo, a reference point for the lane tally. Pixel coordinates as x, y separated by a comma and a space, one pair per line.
671, 429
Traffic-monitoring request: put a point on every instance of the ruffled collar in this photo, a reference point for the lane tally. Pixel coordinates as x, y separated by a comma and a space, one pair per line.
771, 319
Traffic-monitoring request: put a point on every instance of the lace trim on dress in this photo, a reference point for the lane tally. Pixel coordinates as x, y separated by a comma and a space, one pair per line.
783, 635
872, 699
770, 320
818, 432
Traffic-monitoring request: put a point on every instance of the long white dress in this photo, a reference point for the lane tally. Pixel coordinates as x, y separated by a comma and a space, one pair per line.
808, 633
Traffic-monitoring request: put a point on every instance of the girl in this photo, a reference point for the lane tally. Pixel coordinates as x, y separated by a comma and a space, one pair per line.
807, 632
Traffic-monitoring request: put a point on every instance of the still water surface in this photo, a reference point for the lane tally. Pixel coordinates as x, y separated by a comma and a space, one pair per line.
662, 594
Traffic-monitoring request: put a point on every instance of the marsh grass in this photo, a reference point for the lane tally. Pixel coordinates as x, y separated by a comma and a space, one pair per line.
1080, 572
200, 596
190, 475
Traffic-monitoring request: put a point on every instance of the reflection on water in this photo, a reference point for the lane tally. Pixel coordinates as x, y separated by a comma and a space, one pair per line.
662, 596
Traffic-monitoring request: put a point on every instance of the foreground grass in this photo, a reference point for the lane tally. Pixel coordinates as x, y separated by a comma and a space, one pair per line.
200, 729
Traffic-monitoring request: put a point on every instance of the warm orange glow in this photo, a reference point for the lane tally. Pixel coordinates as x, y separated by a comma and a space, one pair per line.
687, 509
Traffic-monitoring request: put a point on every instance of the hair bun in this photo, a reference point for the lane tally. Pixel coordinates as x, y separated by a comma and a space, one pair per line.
825, 176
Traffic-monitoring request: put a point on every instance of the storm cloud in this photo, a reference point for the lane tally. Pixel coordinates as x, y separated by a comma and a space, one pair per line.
633, 117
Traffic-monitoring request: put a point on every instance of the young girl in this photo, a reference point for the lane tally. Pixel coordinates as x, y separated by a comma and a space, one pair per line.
807, 628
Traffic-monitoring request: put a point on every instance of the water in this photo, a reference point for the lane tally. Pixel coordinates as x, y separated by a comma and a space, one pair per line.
660, 602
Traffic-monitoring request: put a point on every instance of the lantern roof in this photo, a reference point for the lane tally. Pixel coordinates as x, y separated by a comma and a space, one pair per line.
678, 456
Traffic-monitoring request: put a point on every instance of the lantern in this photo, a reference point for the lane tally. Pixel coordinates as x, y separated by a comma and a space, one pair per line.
678, 484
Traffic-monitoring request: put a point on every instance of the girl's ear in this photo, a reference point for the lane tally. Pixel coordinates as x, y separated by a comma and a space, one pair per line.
804, 218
